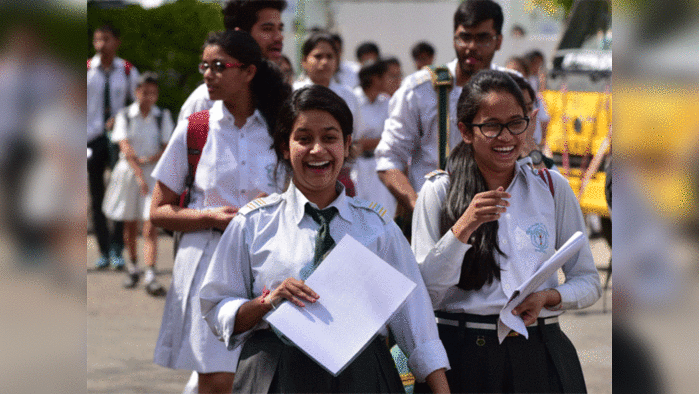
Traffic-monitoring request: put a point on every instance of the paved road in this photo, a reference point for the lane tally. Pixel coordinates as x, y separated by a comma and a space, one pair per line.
122, 327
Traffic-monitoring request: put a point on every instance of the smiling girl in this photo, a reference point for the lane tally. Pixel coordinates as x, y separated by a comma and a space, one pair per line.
236, 165
269, 249
484, 227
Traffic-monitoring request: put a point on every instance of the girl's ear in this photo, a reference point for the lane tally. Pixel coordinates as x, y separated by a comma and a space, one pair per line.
285, 152
251, 70
348, 145
466, 133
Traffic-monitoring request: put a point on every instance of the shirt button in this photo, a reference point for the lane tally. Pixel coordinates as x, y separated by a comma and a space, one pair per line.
507, 286
242, 162
243, 191
242, 135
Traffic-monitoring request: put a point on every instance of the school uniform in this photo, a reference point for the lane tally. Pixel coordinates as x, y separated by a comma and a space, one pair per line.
123, 199
363, 174
236, 165
536, 223
199, 100
272, 239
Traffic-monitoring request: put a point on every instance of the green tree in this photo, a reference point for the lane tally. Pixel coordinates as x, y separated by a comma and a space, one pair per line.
166, 39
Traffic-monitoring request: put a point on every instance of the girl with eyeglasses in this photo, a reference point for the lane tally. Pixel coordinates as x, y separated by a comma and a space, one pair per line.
481, 229
236, 165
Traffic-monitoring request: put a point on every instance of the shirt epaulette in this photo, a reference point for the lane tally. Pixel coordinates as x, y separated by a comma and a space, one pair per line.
372, 206
418, 78
259, 203
435, 173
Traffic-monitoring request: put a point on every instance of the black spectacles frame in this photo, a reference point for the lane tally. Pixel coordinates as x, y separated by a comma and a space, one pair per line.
502, 126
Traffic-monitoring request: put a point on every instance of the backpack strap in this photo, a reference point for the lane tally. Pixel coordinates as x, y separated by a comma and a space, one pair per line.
127, 67
547, 179
442, 81
89, 61
197, 132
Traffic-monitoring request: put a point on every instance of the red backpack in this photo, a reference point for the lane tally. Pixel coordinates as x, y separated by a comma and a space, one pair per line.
197, 132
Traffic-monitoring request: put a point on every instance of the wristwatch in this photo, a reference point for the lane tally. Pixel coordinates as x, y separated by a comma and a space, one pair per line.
537, 156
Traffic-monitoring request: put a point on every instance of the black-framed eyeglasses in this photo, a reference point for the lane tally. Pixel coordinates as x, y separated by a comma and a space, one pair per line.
481, 39
217, 66
493, 129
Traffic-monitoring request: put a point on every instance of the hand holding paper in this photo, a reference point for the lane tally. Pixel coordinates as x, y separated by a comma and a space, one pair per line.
507, 320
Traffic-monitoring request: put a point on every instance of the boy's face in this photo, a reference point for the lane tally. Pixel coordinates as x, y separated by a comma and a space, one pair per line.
105, 43
147, 94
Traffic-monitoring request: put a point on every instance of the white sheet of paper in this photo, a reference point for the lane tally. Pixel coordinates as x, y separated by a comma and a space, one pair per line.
359, 292
507, 320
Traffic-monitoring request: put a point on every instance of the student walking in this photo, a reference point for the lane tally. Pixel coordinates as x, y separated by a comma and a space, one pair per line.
142, 130
483, 227
236, 165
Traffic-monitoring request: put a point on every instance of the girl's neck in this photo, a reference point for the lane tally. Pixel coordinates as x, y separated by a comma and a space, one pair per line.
241, 107
495, 179
144, 110
372, 93
321, 199
322, 82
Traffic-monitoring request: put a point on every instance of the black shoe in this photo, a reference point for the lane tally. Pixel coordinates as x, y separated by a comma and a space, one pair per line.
155, 289
131, 280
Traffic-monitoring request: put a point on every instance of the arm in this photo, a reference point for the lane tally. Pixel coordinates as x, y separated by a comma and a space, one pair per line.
398, 184
437, 381
413, 325
582, 286
440, 257
399, 137
165, 212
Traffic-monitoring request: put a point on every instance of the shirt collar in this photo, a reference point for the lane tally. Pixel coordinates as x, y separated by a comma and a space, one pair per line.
135, 110
219, 112
297, 202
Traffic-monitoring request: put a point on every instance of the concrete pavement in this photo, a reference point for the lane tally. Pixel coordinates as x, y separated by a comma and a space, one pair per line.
123, 325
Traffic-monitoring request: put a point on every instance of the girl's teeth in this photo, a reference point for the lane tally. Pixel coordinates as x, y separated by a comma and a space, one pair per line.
503, 149
319, 164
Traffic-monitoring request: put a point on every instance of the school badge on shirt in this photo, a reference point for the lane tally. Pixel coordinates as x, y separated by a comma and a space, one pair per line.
539, 237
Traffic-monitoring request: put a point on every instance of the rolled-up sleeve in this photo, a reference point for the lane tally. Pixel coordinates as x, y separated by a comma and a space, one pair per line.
414, 324
400, 131
439, 257
227, 284
582, 286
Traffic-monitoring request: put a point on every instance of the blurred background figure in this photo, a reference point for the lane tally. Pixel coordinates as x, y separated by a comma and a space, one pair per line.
287, 69
517, 32
346, 73
537, 69
394, 75
373, 106
111, 85
27, 86
423, 54
518, 64
367, 51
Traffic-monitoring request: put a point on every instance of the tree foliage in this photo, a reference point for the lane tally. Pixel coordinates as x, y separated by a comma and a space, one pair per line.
166, 39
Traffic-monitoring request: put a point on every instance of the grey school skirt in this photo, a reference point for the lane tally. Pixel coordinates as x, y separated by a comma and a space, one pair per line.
267, 365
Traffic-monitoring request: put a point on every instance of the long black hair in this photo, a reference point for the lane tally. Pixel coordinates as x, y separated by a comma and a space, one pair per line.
466, 180
268, 88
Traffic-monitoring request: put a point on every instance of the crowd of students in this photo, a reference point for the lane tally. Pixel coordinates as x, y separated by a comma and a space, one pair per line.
263, 173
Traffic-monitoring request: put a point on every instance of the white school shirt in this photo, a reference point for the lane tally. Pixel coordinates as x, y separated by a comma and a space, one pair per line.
121, 87
199, 100
143, 133
347, 74
531, 230
272, 239
409, 138
236, 164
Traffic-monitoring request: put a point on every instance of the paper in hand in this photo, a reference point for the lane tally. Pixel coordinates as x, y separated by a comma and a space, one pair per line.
359, 292
507, 320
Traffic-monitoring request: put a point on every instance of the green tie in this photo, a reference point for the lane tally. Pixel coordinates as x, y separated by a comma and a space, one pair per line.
324, 242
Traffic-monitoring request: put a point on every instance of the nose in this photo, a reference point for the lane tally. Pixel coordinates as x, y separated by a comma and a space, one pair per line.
317, 148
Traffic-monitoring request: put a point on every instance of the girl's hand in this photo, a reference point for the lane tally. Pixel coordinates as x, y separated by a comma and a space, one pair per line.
293, 290
221, 216
485, 207
530, 308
